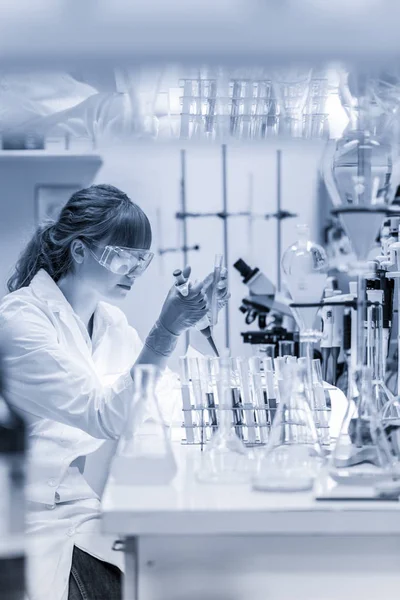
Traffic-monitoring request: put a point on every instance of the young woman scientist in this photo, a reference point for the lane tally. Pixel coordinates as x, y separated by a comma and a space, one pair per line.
69, 361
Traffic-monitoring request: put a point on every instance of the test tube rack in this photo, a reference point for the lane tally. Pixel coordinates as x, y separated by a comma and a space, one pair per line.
253, 409
252, 424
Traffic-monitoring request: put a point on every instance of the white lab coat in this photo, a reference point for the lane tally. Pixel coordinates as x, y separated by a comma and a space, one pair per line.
74, 393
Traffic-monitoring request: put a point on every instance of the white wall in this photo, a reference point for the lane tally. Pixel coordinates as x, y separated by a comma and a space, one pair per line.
150, 174
20, 174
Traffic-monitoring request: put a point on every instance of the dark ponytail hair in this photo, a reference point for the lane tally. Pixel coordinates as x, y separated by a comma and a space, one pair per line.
100, 213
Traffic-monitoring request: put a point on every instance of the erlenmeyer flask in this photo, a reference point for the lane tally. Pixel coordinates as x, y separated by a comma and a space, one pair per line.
362, 453
144, 455
225, 458
293, 455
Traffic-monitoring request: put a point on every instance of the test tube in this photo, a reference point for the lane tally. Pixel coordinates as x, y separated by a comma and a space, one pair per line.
290, 360
247, 403
214, 297
269, 392
236, 399
186, 402
286, 348
261, 415
266, 351
198, 394
206, 375
322, 419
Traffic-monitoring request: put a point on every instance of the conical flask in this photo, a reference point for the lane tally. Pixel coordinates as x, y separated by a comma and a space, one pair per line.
225, 458
293, 455
362, 454
144, 454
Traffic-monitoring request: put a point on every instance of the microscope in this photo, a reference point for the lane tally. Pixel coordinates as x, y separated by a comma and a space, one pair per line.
268, 306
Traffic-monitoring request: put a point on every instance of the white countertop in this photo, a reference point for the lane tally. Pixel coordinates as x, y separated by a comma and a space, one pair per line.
188, 507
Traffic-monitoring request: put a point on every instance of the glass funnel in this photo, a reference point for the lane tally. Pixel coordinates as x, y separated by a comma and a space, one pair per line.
293, 455
144, 454
362, 453
305, 266
225, 458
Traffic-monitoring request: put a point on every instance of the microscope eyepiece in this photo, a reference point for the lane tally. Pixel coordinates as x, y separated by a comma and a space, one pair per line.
244, 269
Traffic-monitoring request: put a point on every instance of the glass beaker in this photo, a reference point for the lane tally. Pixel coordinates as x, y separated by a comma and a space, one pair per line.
225, 458
293, 455
362, 454
144, 454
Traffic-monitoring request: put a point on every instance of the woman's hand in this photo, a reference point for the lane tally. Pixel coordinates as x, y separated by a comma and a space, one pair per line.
223, 294
180, 313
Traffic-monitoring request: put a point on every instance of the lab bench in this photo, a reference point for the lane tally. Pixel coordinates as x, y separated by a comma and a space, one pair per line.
192, 541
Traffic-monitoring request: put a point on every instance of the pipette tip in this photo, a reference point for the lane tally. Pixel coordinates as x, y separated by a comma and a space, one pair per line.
213, 346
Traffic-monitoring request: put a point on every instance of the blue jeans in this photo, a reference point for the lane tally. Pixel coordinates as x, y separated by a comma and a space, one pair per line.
93, 579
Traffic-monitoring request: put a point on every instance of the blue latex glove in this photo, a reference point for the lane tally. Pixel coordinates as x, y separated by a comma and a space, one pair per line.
223, 294
180, 313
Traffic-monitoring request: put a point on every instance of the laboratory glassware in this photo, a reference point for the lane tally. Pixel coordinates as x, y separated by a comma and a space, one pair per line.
390, 419
225, 458
144, 454
286, 348
375, 358
247, 404
362, 454
188, 422
198, 396
320, 409
207, 377
291, 89
293, 455
237, 404
361, 174
262, 108
305, 266
316, 124
260, 401
265, 351
270, 388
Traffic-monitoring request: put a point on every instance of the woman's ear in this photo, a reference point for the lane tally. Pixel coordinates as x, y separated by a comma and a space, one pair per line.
78, 251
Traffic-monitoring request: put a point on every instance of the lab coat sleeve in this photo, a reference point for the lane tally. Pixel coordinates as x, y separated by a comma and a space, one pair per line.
48, 382
168, 387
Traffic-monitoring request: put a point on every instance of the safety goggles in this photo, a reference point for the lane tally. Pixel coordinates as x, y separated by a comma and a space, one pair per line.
125, 261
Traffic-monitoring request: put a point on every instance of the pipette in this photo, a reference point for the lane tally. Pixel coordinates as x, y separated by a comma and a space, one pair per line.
203, 325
